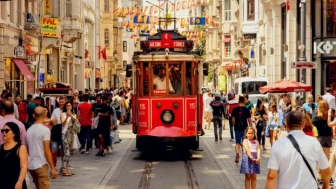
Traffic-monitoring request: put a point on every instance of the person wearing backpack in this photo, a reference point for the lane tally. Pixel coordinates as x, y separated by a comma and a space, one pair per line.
240, 116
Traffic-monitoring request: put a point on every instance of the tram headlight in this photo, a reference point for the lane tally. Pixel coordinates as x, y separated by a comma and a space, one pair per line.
167, 116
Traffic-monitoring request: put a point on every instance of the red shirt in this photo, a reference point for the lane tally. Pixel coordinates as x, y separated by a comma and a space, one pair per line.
85, 114
22, 108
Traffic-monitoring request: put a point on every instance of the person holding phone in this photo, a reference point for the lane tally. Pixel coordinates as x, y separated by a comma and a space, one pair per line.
310, 107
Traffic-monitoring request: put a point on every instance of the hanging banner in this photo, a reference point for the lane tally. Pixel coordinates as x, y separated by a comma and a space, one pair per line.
50, 27
46, 7
200, 21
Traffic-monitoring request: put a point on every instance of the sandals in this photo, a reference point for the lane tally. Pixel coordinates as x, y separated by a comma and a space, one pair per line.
66, 172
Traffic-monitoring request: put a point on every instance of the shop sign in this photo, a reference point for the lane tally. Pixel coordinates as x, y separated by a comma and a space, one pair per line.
46, 7
19, 52
50, 27
324, 47
304, 65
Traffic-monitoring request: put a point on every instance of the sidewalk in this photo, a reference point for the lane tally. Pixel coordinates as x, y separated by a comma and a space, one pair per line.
224, 154
92, 172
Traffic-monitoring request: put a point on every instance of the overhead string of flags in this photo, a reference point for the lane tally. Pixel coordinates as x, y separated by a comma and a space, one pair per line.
144, 20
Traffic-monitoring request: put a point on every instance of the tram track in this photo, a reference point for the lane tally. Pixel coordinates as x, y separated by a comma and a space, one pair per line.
190, 173
146, 176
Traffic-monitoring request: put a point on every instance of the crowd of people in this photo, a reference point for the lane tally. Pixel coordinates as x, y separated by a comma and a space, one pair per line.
35, 131
294, 129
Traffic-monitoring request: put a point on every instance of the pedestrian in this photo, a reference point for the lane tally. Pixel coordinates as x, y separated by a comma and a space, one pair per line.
9, 97
8, 110
67, 119
241, 117
14, 158
323, 129
329, 98
84, 117
207, 110
251, 159
260, 114
282, 110
38, 139
31, 107
217, 114
56, 131
308, 127
231, 104
310, 107
273, 124
23, 109
294, 158
106, 117
248, 103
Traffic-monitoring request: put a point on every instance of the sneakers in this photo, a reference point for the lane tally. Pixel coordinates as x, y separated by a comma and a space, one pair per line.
87, 152
82, 151
237, 158
231, 140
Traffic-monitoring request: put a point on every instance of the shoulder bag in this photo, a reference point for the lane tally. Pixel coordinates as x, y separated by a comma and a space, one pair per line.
297, 147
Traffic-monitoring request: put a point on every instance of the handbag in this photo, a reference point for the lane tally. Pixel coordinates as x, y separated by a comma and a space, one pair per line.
95, 120
297, 147
268, 128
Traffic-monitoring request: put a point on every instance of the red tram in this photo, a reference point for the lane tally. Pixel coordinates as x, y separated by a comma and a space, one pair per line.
167, 99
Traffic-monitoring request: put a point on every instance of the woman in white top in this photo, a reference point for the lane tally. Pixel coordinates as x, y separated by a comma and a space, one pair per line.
66, 117
273, 124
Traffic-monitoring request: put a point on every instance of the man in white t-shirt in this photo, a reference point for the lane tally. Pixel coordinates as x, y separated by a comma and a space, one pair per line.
329, 98
287, 169
207, 109
38, 140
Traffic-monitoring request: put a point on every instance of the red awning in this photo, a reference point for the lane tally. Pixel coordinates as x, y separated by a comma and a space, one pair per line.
226, 40
23, 68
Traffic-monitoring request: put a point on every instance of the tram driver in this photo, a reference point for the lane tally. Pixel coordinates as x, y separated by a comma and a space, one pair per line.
160, 81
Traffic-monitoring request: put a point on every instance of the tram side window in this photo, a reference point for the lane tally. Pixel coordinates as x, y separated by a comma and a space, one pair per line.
145, 78
175, 78
160, 81
188, 78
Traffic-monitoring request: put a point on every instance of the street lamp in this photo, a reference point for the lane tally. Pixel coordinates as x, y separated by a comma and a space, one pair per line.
302, 48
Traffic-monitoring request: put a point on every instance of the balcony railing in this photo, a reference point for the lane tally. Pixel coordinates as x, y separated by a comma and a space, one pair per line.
32, 22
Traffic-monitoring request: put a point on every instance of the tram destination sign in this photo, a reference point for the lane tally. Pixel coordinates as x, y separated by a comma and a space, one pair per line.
304, 65
166, 44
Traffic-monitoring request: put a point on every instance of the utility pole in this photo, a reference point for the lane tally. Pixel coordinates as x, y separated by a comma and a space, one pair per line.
303, 57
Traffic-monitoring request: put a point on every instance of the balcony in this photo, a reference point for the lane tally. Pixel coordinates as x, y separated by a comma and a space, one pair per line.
72, 29
32, 22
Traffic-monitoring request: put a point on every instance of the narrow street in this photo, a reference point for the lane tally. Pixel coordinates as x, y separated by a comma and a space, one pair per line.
214, 167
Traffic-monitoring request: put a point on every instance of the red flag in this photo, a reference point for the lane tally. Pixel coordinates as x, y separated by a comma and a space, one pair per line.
99, 53
103, 53
287, 5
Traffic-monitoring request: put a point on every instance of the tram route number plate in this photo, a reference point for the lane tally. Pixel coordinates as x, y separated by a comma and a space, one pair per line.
166, 139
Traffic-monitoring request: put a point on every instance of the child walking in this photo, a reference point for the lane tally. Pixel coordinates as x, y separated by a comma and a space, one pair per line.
250, 163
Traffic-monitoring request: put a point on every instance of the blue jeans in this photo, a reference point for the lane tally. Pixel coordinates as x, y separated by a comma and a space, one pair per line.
231, 127
85, 137
217, 121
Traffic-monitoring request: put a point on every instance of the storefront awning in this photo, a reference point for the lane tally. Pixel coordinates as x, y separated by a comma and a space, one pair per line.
226, 40
23, 68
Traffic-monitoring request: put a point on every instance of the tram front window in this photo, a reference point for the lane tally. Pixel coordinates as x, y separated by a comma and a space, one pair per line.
160, 80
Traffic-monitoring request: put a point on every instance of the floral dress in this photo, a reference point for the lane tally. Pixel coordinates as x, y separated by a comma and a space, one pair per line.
247, 165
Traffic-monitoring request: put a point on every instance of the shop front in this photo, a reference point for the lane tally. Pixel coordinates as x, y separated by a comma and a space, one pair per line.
324, 38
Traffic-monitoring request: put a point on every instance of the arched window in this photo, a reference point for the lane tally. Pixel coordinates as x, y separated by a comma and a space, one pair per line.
106, 6
107, 37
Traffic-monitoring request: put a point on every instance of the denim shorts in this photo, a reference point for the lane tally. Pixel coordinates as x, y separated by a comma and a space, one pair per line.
54, 145
273, 127
239, 137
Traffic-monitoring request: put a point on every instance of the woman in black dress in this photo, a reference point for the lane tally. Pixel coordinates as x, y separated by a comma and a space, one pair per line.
13, 159
260, 114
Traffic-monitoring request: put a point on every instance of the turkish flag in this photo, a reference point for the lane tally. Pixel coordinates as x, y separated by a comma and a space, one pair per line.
103, 53
287, 5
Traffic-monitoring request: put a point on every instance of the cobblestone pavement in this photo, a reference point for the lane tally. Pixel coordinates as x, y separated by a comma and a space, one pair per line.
93, 172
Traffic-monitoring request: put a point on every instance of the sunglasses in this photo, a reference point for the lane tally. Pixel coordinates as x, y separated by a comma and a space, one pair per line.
5, 130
